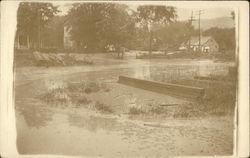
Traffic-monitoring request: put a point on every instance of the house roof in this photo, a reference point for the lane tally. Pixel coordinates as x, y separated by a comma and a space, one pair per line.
195, 40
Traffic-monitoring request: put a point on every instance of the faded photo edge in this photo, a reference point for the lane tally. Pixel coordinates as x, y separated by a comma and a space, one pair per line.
8, 129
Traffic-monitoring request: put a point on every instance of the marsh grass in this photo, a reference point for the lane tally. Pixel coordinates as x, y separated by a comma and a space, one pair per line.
147, 110
92, 87
57, 96
87, 87
102, 107
82, 101
75, 94
219, 98
135, 111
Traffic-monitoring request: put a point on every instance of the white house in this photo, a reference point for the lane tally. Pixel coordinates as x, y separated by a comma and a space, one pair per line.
207, 44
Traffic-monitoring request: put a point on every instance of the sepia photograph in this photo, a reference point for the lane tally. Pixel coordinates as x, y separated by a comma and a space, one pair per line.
125, 79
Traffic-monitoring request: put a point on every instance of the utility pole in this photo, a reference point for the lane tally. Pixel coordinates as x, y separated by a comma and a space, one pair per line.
190, 34
199, 14
39, 29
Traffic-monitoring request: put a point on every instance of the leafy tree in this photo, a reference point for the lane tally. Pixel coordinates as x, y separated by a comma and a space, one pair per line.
118, 26
173, 35
53, 33
150, 15
140, 38
95, 25
32, 18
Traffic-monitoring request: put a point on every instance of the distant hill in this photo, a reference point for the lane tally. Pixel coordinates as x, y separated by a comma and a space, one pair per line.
223, 22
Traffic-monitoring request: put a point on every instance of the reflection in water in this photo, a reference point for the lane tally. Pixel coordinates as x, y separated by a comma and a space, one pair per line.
142, 72
168, 73
172, 72
74, 134
52, 84
208, 70
35, 116
93, 123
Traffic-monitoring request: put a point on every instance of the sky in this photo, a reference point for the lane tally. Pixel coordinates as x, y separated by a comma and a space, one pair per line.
183, 11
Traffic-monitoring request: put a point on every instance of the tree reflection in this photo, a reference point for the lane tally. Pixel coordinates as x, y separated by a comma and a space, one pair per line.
35, 116
92, 123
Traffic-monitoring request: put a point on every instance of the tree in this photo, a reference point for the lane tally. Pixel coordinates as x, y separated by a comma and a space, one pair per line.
118, 27
149, 15
171, 36
53, 32
96, 25
32, 18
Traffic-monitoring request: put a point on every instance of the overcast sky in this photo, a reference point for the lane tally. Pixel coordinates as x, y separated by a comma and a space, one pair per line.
183, 12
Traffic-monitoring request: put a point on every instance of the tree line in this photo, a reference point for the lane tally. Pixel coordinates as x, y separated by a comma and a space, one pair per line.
94, 26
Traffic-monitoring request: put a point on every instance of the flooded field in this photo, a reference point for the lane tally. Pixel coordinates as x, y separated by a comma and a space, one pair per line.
84, 111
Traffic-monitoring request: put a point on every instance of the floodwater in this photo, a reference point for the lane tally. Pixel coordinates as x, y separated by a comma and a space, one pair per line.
46, 129
72, 134
154, 69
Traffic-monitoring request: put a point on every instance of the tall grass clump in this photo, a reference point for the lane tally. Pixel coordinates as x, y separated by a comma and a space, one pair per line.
220, 98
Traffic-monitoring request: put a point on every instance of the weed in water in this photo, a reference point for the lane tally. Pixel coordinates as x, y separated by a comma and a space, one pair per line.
57, 95
102, 107
92, 87
135, 111
82, 101
104, 87
157, 110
